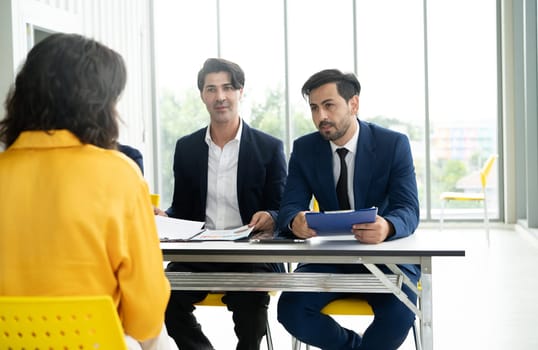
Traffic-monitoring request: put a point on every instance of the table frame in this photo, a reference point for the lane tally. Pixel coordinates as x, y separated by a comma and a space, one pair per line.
416, 249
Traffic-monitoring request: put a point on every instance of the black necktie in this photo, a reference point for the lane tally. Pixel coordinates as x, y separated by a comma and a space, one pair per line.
341, 185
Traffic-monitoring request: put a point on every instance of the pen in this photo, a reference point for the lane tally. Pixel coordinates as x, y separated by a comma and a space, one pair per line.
277, 241
178, 240
242, 229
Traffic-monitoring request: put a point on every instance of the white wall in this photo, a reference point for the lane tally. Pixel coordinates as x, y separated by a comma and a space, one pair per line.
123, 25
6, 46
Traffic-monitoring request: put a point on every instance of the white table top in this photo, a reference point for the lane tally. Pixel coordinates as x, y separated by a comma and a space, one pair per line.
328, 249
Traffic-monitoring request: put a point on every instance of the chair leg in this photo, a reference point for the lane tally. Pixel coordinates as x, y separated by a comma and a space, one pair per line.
486, 219
295, 343
441, 218
268, 336
417, 335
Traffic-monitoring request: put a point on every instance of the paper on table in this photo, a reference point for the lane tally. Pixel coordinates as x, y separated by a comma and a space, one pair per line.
171, 229
338, 222
224, 235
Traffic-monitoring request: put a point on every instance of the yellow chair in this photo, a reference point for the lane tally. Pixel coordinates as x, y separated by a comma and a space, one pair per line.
155, 199
347, 307
215, 299
45, 323
315, 204
354, 306
472, 196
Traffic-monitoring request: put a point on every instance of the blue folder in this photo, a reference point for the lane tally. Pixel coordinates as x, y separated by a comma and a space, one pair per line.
339, 222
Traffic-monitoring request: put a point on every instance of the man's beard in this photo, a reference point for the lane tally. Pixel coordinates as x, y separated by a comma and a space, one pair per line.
331, 136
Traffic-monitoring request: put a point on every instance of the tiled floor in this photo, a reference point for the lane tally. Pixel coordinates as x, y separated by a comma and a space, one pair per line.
486, 300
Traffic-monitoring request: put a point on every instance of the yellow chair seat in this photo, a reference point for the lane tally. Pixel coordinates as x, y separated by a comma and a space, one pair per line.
212, 299
462, 196
348, 306
215, 299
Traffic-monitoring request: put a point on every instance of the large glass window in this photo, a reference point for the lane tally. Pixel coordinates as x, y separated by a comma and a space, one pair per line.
443, 98
390, 67
463, 101
319, 37
251, 35
185, 35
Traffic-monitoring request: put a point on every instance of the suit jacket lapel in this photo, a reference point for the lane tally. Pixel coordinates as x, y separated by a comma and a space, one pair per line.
324, 175
244, 161
202, 169
365, 157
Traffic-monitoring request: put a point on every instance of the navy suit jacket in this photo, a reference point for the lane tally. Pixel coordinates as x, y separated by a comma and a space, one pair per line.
384, 177
134, 154
261, 175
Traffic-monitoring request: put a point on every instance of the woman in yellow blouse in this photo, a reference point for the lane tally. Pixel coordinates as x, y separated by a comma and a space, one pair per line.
75, 214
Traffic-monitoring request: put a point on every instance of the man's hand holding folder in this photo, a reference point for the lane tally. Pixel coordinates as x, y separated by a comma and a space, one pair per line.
339, 222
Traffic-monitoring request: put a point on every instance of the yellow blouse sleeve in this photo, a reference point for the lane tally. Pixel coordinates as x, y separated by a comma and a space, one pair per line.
143, 286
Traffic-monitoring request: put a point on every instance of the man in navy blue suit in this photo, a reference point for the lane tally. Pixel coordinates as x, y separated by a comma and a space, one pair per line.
134, 154
228, 175
375, 168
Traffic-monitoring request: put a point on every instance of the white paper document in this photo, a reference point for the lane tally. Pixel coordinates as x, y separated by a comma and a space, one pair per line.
171, 230
223, 235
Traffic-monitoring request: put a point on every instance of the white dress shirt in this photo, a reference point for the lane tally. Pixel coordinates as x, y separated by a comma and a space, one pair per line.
222, 206
351, 146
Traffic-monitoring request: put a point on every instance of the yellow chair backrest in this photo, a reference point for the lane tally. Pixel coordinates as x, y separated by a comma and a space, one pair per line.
45, 323
486, 169
155, 199
315, 204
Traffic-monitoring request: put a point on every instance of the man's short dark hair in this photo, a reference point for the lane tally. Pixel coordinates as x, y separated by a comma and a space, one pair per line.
67, 82
346, 83
215, 65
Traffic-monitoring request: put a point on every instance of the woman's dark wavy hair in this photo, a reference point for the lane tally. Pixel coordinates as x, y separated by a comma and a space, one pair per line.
67, 82
347, 84
215, 65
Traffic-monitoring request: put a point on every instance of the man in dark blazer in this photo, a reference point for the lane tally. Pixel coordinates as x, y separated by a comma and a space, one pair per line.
377, 170
134, 154
227, 174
